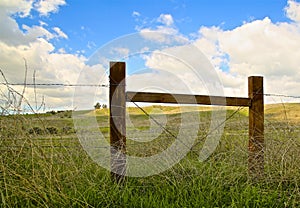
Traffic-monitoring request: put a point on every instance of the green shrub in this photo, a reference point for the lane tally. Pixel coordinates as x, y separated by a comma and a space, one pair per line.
35, 130
52, 112
67, 130
52, 130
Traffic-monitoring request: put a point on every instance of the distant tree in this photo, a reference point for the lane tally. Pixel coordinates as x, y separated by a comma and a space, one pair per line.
104, 106
97, 106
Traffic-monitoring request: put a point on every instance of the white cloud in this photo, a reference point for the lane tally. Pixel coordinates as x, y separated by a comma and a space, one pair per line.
136, 14
23, 7
36, 32
258, 47
160, 29
20, 7
262, 47
160, 34
43, 23
44, 7
166, 19
10, 30
86, 97
51, 67
62, 50
208, 43
293, 10
33, 43
91, 44
120, 51
60, 33
187, 65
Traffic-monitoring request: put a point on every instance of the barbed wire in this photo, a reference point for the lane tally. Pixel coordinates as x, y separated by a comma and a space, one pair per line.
153, 119
107, 85
54, 84
281, 95
175, 137
169, 134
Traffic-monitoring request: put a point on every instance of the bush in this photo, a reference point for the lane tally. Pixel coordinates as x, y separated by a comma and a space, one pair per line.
52, 130
51, 112
35, 130
65, 114
67, 130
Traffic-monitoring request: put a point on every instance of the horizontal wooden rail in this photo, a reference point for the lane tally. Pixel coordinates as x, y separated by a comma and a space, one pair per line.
186, 99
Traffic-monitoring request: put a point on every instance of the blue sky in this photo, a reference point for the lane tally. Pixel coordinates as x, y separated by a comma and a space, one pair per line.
239, 39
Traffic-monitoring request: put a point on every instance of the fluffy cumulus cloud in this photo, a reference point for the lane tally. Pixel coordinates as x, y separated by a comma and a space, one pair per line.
166, 19
44, 7
262, 47
20, 7
24, 7
164, 24
293, 10
33, 43
259, 47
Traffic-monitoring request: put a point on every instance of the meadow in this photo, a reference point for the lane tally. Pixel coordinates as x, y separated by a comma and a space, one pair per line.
42, 163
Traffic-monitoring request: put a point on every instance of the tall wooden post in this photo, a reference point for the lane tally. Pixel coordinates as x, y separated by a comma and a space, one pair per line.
117, 106
256, 127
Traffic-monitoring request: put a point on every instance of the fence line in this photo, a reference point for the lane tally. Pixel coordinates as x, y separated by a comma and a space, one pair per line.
168, 98
117, 103
77, 145
129, 94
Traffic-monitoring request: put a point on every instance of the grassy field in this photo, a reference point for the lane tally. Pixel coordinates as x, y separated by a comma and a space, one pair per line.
42, 163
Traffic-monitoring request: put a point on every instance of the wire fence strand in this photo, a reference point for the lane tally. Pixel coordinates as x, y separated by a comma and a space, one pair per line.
107, 85
54, 84
281, 95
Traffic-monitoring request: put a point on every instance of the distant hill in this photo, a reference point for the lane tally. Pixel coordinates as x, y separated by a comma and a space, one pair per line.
287, 112
283, 112
280, 111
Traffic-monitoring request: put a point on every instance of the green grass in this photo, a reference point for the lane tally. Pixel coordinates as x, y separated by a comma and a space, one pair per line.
52, 170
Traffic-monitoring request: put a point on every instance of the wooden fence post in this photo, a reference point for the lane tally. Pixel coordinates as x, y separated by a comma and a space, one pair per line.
256, 127
117, 106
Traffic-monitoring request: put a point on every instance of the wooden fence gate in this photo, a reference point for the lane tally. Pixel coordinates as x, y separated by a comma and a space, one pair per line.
117, 105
